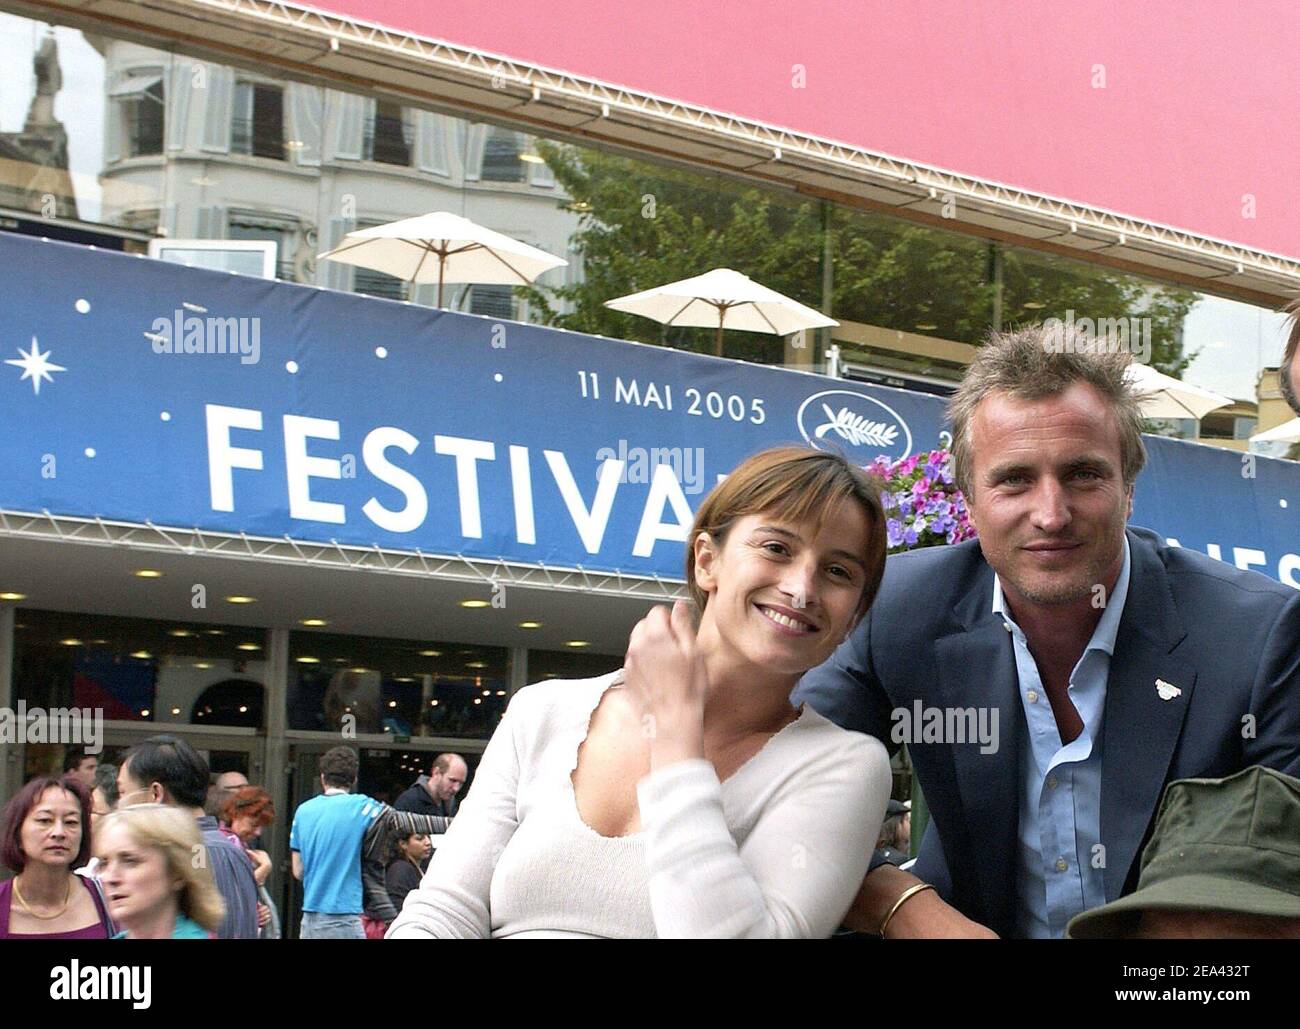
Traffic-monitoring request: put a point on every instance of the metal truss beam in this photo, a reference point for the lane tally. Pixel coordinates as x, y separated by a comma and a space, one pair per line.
48, 527
351, 53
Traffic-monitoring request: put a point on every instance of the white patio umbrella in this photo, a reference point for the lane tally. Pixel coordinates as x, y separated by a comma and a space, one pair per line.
722, 299
443, 247
1163, 396
1287, 432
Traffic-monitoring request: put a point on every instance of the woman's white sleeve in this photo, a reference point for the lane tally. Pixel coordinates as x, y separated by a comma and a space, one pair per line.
799, 868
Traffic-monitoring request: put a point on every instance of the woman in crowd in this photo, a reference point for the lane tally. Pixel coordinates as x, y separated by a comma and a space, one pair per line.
247, 811
45, 834
683, 795
406, 867
155, 888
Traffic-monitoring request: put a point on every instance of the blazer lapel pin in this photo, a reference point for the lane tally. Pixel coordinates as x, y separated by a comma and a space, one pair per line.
1167, 690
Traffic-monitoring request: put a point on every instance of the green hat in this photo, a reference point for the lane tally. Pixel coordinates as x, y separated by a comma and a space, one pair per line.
1219, 844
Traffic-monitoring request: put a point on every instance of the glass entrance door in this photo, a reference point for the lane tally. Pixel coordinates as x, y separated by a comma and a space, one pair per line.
385, 772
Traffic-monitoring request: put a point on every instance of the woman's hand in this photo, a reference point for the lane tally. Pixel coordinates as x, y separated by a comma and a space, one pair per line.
261, 866
665, 677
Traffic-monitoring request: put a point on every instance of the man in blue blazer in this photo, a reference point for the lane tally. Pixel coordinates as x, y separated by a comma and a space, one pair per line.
1050, 678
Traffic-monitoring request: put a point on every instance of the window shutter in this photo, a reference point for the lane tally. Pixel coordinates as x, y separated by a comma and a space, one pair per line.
336, 274
539, 175
212, 222
305, 116
114, 129
177, 118
430, 143
474, 152
217, 110
349, 125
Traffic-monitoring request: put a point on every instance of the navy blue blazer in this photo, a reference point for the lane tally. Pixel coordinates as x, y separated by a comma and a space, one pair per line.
1229, 639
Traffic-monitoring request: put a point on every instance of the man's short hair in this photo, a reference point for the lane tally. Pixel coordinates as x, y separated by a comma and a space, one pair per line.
1033, 363
442, 763
72, 760
173, 763
106, 782
1289, 355
339, 767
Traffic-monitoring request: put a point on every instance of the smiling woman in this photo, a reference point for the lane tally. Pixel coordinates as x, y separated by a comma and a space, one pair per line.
683, 795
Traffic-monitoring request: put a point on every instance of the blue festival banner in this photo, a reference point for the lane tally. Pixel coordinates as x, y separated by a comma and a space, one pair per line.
135, 390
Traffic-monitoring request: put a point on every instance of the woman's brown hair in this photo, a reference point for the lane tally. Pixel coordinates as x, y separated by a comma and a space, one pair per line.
793, 484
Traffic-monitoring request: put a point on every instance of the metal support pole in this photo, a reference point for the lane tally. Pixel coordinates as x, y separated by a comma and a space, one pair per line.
11, 756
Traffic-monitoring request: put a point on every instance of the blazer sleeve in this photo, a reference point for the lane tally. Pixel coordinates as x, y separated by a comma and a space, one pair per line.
931, 864
1275, 697
846, 689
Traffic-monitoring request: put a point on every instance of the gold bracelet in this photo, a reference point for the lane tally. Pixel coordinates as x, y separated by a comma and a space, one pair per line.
908, 893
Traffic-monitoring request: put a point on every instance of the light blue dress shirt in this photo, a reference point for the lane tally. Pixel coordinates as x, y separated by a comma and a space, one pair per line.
1060, 864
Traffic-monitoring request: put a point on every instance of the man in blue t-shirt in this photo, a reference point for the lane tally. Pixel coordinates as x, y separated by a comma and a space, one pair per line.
326, 843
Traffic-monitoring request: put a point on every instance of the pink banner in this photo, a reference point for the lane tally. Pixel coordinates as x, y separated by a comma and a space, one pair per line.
1176, 112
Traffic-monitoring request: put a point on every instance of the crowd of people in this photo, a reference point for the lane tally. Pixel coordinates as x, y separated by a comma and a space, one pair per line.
732, 778
158, 848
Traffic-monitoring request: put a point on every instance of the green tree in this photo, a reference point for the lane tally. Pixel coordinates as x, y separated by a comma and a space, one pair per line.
644, 225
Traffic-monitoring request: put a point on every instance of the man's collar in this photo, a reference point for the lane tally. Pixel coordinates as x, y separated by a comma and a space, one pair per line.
1104, 635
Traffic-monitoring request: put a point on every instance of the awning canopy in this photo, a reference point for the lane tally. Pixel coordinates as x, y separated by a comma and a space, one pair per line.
345, 52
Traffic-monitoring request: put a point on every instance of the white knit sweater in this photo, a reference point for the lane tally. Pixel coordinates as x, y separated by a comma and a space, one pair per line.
778, 850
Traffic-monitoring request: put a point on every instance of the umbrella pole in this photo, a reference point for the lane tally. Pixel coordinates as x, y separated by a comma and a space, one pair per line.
442, 264
717, 344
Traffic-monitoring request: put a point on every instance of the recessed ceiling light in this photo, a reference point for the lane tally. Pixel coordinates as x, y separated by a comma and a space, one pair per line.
577, 643
144, 713
142, 655
71, 643
308, 660
476, 664
478, 700
13, 596
530, 625
474, 603
249, 646
147, 573
431, 653
202, 664
241, 600
214, 632
501, 693
180, 632
392, 703
313, 622
243, 709
176, 710
487, 693
359, 671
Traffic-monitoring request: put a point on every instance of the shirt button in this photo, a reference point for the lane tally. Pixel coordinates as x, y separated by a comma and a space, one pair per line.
1007, 626
1051, 781
1061, 866
1033, 696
